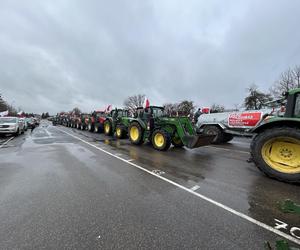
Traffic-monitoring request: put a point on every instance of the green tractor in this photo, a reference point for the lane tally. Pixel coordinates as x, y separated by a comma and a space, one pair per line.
275, 149
161, 130
117, 122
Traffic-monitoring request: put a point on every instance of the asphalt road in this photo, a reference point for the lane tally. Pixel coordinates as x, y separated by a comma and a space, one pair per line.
61, 188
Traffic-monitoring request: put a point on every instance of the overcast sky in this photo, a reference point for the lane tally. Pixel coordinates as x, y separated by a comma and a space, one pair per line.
58, 54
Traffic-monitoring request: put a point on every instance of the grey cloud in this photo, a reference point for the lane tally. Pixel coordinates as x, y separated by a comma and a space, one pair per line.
55, 55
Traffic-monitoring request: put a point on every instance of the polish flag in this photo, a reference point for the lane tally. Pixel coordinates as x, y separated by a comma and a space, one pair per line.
146, 103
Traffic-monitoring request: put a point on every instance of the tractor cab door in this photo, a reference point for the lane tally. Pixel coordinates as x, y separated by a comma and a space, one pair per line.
297, 106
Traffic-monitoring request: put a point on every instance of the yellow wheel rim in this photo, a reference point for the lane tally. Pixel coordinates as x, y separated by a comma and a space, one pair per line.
134, 133
119, 132
159, 140
106, 128
282, 154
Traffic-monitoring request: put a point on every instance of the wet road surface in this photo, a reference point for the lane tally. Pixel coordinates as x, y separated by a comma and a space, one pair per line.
72, 189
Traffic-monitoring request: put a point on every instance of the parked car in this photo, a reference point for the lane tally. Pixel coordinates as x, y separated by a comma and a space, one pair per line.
11, 125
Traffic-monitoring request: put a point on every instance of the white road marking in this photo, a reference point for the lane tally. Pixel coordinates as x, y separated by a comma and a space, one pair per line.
157, 172
194, 188
203, 197
227, 149
4, 143
130, 160
118, 154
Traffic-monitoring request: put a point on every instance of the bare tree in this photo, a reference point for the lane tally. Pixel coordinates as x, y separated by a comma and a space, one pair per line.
186, 108
171, 108
285, 83
256, 98
76, 111
3, 104
296, 73
132, 102
217, 108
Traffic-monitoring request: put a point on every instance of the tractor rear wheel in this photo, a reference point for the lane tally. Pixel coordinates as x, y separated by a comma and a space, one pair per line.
107, 128
136, 133
177, 142
120, 132
276, 152
161, 140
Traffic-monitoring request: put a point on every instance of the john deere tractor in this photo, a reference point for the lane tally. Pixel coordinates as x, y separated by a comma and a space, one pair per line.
117, 122
275, 149
161, 130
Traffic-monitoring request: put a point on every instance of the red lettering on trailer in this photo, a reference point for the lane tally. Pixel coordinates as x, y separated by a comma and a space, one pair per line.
246, 119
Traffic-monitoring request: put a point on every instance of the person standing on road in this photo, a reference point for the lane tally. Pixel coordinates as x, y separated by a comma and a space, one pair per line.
196, 115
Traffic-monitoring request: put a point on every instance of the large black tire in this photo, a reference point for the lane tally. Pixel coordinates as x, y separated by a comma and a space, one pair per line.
120, 132
177, 142
227, 137
215, 130
262, 144
17, 133
161, 140
107, 127
138, 138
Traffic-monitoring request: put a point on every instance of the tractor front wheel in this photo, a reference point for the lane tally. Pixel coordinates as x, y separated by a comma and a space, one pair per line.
107, 128
161, 140
120, 132
135, 132
276, 152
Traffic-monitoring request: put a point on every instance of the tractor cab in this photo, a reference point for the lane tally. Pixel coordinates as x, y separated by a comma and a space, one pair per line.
150, 112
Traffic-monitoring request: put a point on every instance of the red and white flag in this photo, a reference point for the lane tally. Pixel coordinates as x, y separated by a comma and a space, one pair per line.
146, 103
4, 113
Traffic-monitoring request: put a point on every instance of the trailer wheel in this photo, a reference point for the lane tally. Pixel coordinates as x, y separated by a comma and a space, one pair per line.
214, 130
136, 133
107, 128
276, 152
227, 137
120, 132
177, 142
161, 140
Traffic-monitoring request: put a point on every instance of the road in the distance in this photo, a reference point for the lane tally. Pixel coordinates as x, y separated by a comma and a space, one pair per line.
58, 192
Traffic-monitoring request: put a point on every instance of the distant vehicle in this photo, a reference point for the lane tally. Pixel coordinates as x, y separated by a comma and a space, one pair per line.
30, 122
11, 125
25, 123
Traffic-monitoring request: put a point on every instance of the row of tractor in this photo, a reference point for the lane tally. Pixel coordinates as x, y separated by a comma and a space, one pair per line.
275, 147
146, 124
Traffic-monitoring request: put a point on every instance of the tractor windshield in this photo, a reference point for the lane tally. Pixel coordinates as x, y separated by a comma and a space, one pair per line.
297, 106
158, 112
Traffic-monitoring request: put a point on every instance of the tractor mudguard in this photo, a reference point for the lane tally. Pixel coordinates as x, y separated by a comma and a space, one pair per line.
196, 141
